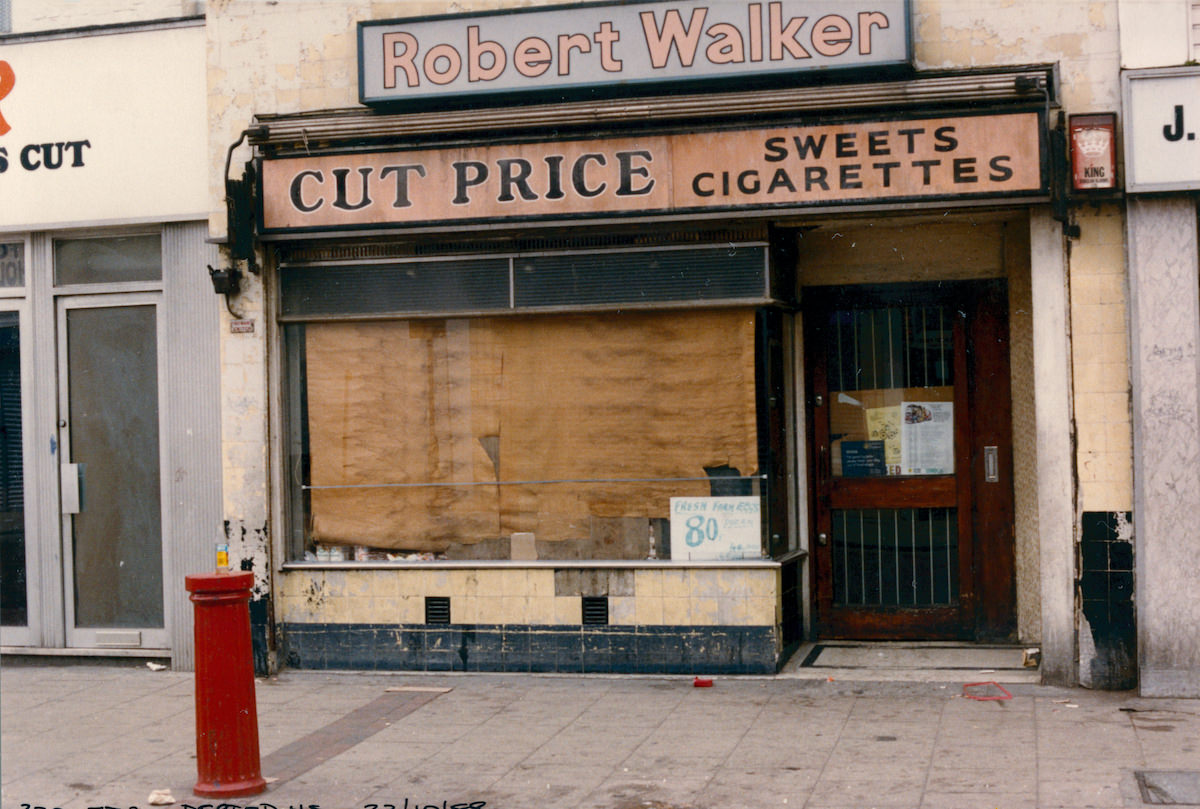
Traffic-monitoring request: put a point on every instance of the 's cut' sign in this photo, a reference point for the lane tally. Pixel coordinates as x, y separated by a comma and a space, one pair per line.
985, 155
588, 46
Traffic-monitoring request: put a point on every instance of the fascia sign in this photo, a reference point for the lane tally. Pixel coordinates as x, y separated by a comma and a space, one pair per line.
113, 143
591, 46
1162, 129
819, 164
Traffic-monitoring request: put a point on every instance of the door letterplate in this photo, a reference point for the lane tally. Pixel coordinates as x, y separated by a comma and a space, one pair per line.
991, 464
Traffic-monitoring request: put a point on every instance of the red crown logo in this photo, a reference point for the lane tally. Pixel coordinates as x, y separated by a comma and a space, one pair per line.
1093, 142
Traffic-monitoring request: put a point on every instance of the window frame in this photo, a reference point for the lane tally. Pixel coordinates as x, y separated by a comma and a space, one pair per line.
779, 525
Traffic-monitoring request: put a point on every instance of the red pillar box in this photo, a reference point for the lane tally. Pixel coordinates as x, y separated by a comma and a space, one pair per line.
226, 716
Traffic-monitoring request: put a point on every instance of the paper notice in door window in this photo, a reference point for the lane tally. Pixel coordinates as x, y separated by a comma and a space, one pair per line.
883, 424
863, 459
927, 438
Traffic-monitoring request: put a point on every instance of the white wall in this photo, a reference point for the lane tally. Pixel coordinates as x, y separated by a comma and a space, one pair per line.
1154, 33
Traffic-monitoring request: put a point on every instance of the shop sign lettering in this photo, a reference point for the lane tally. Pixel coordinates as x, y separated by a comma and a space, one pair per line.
801, 166
35, 156
1162, 125
623, 45
51, 156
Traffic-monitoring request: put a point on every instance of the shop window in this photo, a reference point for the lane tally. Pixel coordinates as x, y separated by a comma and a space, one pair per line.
527, 282
443, 437
110, 260
14, 607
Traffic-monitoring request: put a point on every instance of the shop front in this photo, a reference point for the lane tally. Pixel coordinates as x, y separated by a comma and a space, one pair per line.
669, 382
109, 353
1162, 158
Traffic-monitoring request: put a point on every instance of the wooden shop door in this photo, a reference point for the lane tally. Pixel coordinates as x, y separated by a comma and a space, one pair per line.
909, 408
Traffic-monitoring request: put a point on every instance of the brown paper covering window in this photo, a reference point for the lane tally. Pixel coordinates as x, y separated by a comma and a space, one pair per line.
553, 398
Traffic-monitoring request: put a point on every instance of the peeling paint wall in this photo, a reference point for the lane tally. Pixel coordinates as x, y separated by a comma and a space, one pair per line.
1081, 37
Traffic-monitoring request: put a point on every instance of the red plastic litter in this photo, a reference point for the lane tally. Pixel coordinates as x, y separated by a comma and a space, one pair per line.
984, 697
701, 682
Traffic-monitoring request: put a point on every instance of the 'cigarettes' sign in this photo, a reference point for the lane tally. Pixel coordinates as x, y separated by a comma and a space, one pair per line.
796, 166
591, 46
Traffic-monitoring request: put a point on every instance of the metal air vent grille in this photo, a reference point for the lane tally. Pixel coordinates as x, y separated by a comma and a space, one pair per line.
437, 609
595, 610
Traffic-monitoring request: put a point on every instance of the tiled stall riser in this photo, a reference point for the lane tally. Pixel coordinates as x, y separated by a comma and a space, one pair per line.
659, 620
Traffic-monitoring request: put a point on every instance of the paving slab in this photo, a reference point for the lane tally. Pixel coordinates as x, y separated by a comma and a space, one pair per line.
107, 736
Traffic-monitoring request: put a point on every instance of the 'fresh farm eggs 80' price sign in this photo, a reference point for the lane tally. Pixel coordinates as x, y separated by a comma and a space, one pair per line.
716, 528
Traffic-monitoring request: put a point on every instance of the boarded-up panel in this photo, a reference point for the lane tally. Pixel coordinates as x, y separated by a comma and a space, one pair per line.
878, 255
565, 405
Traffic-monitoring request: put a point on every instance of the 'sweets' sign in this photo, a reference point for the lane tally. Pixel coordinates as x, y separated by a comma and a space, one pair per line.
589, 46
787, 166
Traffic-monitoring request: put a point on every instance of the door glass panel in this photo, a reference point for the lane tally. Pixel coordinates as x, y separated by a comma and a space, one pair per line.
895, 557
14, 609
108, 261
113, 394
891, 392
12, 265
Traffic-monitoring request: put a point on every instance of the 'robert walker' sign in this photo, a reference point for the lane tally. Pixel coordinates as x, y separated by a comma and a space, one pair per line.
986, 155
628, 44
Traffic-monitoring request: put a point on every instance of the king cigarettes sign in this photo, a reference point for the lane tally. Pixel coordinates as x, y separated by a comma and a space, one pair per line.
589, 46
780, 167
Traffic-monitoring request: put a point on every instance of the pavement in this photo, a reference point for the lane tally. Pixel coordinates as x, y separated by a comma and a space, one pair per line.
108, 735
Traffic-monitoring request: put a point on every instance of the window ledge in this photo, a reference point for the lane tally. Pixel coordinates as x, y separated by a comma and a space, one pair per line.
452, 564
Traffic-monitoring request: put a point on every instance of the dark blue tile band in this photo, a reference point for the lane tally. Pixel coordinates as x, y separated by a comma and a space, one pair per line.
533, 648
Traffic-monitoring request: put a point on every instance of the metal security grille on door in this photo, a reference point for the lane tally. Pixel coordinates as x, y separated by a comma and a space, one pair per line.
895, 557
902, 347
891, 375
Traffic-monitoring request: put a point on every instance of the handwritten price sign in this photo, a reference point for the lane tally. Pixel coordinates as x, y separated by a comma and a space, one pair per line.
716, 528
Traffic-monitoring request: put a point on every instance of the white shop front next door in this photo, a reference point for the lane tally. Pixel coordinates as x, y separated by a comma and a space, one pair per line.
81, 444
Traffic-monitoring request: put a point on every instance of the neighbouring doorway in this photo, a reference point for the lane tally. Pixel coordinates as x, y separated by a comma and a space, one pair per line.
109, 441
